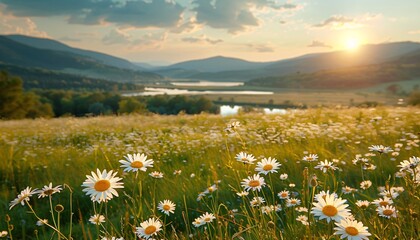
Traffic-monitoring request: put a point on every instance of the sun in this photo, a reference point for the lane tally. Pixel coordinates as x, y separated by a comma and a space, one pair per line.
352, 44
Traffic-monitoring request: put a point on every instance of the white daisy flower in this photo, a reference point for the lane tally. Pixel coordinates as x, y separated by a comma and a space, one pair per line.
267, 165
136, 162
149, 228
330, 208
100, 186
351, 229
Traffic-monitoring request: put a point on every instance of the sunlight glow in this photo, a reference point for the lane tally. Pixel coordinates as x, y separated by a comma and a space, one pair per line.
352, 44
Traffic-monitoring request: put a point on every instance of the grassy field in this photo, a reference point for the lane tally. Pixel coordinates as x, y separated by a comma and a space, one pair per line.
203, 172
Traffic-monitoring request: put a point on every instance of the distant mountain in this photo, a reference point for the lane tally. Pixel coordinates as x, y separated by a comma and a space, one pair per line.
44, 43
231, 69
216, 64
15, 53
394, 71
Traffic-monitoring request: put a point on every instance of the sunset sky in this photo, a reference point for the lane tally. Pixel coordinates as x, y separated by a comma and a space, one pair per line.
169, 31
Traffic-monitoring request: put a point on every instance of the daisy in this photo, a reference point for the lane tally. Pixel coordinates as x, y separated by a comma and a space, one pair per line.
211, 189
387, 211
49, 190
101, 185
242, 194
351, 229
323, 195
257, 201
149, 228
331, 208
291, 202
156, 174
409, 165
245, 158
167, 206
283, 176
380, 149
389, 193
267, 165
381, 202
324, 166
267, 209
207, 217
301, 209
198, 222
112, 238
365, 184
310, 158
97, 219
283, 194
348, 190
363, 204
136, 162
23, 197
303, 219
253, 183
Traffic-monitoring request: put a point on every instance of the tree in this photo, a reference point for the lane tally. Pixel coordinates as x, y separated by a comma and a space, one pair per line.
131, 105
11, 96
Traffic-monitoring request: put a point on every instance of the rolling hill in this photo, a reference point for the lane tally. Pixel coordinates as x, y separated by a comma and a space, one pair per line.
395, 71
228, 69
49, 44
25, 56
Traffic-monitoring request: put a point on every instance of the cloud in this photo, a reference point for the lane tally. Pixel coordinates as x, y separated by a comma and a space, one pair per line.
116, 36
338, 22
136, 13
233, 15
262, 48
316, 43
202, 39
188, 26
10, 24
149, 41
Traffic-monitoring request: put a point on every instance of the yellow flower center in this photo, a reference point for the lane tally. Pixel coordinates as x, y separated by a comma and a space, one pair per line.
268, 167
102, 185
329, 210
388, 212
166, 207
284, 195
149, 230
49, 192
254, 183
352, 231
136, 164
383, 203
207, 219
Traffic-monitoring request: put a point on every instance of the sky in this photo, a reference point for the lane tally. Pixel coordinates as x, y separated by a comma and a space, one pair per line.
170, 31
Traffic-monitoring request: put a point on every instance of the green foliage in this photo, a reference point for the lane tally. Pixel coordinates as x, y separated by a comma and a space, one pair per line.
131, 105
414, 98
164, 104
14, 103
63, 151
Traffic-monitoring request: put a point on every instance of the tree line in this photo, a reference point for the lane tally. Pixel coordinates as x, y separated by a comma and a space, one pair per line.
15, 103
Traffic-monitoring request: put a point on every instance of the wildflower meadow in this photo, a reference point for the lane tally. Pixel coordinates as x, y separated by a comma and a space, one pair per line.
306, 174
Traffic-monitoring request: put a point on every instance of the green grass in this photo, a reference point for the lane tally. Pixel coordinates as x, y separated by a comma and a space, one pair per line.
63, 151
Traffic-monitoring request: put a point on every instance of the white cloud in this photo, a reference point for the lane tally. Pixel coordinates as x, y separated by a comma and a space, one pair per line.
316, 43
202, 39
10, 24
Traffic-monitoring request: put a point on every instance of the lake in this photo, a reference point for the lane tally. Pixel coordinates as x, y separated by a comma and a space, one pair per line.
207, 84
160, 91
227, 110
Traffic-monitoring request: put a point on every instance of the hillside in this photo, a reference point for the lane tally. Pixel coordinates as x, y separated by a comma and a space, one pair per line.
14, 53
36, 78
49, 44
227, 69
405, 68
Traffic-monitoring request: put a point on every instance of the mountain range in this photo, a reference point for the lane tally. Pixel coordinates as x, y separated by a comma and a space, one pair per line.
51, 55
